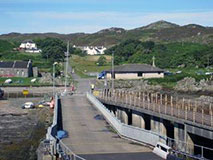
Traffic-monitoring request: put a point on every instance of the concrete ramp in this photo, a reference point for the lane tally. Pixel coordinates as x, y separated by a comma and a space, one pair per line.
91, 137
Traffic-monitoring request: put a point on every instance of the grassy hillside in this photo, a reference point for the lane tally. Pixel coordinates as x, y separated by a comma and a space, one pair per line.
160, 31
189, 33
5, 46
167, 55
87, 64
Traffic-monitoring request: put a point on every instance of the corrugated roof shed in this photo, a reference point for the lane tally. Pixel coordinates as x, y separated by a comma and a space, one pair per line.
6, 64
15, 64
21, 64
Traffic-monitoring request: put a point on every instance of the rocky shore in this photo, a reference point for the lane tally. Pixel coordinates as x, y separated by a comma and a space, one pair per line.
21, 129
188, 88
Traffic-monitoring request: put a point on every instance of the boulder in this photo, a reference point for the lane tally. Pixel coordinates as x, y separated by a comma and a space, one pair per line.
187, 84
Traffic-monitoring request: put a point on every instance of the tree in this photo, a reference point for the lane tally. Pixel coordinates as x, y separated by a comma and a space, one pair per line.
53, 49
101, 61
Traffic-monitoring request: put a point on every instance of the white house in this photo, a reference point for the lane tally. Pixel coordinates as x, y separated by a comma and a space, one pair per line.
92, 50
29, 46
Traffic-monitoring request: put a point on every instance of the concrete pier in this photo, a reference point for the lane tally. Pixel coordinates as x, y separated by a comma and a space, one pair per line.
179, 135
158, 126
138, 121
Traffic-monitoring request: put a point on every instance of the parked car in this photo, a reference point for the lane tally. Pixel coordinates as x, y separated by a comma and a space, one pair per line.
178, 72
209, 73
102, 75
1, 93
162, 150
33, 80
28, 105
168, 73
44, 103
8, 81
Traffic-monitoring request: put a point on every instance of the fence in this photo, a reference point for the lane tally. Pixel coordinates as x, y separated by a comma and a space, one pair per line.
146, 136
57, 146
181, 148
128, 131
199, 112
8, 95
52, 130
66, 153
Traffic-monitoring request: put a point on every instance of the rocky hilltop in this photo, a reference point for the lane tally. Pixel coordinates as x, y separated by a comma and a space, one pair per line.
158, 32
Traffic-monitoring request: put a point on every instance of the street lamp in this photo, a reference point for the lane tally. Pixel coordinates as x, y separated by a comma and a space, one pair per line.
54, 64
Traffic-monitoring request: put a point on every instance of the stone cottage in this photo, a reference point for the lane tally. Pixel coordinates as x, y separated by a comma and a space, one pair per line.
135, 71
16, 69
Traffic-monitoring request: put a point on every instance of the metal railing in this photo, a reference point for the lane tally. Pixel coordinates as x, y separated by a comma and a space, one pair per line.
8, 95
146, 136
195, 111
181, 148
52, 130
56, 145
66, 153
127, 131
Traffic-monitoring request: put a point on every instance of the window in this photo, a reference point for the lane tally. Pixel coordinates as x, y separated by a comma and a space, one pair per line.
163, 149
140, 74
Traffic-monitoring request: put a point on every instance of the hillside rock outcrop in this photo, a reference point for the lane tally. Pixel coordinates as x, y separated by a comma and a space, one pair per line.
189, 84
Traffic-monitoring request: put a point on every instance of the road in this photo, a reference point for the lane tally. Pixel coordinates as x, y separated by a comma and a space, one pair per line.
90, 136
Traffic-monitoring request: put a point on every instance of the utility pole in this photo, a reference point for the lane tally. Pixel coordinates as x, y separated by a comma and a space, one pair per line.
113, 76
53, 80
66, 67
54, 64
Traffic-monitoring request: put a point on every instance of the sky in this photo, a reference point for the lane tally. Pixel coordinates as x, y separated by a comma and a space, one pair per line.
71, 16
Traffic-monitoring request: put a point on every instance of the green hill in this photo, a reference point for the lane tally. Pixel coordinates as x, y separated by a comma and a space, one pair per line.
168, 55
160, 31
5, 46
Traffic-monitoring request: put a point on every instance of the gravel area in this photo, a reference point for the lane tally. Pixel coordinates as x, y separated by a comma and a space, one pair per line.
20, 129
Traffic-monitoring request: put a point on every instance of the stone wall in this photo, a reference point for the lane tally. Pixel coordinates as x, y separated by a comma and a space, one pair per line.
15, 72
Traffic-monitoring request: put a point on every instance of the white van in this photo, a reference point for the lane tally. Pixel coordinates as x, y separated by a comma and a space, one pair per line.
161, 150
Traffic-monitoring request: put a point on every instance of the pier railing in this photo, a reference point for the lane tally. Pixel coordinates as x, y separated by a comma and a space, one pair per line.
139, 134
56, 146
196, 111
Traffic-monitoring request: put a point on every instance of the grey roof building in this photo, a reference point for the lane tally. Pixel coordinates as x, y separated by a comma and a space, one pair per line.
16, 69
135, 71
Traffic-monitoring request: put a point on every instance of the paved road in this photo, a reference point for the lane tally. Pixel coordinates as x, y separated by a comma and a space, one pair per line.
89, 134
122, 156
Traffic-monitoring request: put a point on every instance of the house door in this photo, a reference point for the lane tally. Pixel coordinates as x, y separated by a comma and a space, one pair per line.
113, 75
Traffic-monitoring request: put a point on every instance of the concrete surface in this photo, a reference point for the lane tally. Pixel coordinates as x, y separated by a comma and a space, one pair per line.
90, 135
